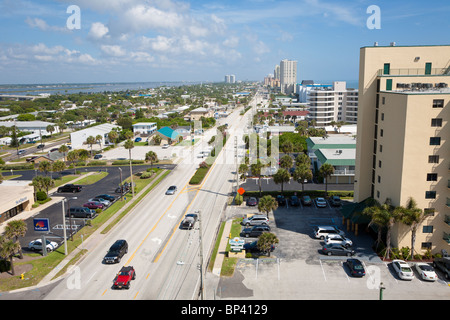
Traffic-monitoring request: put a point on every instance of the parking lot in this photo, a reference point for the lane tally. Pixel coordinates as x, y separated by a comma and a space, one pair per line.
297, 269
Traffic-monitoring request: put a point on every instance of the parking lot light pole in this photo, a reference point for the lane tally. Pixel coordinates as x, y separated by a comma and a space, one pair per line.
64, 227
121, 185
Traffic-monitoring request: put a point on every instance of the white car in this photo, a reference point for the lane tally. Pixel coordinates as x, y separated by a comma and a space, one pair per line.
339, 239
36, 245
101, 200
403, 270
321, 202
426, 271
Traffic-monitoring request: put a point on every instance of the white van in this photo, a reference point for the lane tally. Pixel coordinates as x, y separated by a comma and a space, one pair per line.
320, 232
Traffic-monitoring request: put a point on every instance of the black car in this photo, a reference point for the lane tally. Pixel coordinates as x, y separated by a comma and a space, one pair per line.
356, 267
70, 188
106, 197
189, 221
337, 250
253, 247
255, 231
335, 201
306, 200
294, 201
281, 200
98, 156
80, 212
252, 201
116, 252
41, 146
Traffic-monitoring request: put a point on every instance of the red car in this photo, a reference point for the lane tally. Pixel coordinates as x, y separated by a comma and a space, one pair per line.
94, 205
124, 278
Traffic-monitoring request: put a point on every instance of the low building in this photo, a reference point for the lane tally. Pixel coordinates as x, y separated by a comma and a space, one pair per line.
17, 196
146, 128
168, 135
197, 114
78, 138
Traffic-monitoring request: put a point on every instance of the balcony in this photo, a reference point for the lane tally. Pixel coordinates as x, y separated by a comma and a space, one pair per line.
447, 220
415, 72
446, 237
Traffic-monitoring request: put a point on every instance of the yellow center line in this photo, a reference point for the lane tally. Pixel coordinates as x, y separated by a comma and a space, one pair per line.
136, 295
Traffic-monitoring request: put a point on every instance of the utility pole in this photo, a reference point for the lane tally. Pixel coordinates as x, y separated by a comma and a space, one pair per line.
236, 161
201, 253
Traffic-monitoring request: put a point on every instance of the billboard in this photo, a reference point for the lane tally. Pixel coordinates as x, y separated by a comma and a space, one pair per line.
41, 224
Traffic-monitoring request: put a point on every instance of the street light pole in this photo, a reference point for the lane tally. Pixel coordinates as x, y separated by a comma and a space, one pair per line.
64, 227
201, 253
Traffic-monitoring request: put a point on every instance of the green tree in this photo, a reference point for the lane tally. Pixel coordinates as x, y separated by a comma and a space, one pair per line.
286, 162
90, 141
129, 144
256, 171
63, 149
50, 129
15, 229
113, 136
72, 157
267, 204
152, 157
266, 241
281, 177
302, 173
325, 171
58, 166
45, 167
8, 248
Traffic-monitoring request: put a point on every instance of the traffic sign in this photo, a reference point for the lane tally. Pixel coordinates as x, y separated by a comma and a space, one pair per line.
241, 191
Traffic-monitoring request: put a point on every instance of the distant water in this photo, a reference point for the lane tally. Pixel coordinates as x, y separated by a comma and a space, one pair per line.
70, 88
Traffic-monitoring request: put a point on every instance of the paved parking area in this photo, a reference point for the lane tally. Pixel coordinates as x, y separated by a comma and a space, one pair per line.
298, 270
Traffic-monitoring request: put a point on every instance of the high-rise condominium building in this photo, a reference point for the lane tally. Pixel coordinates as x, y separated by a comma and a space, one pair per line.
328, 103
288, 76
403, 137
230, 78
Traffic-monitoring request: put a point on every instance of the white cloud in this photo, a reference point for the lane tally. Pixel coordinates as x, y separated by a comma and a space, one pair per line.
98, 30
43, 26
113, 50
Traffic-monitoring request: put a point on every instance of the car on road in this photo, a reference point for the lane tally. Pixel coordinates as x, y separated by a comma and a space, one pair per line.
253, 247
321, 202
94, 205
105, 202
255, 231
335, 201
257, 219
41, 146
165, 146
116, 251
337, 250
124, 277
252, 201
98, 156
340, 239
70, 188
171, 190
294, 201
80, 212
356, 267
425, 271
36, 245
320, 232
108, 197
281, 200
53, 149
402, 269
306, 200
21, 152
189, 221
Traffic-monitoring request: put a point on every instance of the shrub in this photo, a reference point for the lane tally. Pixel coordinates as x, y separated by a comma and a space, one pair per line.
203, 165
146, 175
41, 196
238, 199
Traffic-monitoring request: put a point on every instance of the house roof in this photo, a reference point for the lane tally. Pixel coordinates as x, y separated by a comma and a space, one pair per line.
168, 132
344, 158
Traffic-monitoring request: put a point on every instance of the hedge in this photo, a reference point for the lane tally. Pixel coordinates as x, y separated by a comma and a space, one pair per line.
311, 193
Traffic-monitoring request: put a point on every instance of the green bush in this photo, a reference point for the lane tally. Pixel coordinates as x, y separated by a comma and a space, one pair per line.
146, 175
41, 196
97, 163
238, 199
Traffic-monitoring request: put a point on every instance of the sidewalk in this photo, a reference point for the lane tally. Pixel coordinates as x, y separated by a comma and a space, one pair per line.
90, 243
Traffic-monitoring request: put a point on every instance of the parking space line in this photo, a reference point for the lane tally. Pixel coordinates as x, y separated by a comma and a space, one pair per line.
345, 272
323, 271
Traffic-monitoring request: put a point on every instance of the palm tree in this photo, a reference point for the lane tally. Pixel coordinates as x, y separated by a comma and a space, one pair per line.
412, 216
63, 149
267, 204
266, 241
90, 141
45, 166
8, 248
286, 162
325, 171
58, 166
302, 173
113, 136
243, 168
15, 229
151, 156
256, 171
50, 129
72, 157
98, 139
129, 144
281, 177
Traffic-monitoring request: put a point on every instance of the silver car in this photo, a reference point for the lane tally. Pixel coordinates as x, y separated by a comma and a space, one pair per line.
171, 190
256, 220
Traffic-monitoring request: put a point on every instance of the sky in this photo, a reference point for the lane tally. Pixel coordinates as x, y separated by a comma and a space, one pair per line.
86, 41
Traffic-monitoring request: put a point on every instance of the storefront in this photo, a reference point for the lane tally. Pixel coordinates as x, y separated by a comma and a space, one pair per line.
15, 197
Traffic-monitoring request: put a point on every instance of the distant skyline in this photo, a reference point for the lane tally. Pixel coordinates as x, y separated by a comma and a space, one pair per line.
193, 40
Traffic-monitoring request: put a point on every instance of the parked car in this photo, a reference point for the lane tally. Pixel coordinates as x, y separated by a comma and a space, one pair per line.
426, 271
108, 197
252, 201
124, 277
94, 205
306, 200
335, 201
403, 270
294, 201
80, 212
443, 264
339, 239
189, 221
122, 189
165, 146
257, 219
337, 250
253, 247
70, 188
116, 252
53, 149
36, 245
281, 200
320, 232
138, 139
171, 190
98, 156
356, 267
105, 202
255, 231
321, 202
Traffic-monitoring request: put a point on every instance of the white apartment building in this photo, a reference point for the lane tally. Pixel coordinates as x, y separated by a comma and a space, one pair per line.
288, 76
333, 103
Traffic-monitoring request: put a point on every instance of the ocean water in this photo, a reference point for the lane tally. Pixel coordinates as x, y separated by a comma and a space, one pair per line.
70, 88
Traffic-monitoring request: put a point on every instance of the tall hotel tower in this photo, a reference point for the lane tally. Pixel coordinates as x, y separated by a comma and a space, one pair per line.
288, 76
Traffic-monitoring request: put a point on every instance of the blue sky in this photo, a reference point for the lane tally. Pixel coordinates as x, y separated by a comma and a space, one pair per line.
194, 40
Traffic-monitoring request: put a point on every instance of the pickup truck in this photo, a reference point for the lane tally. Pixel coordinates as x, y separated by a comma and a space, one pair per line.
124, 278
70, 188
443, 264
189, 221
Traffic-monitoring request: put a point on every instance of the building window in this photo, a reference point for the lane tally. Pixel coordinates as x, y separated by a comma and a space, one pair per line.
379, 163
432, 177
430, 194
381, 132
378, 194
433, 159
426, 245
381, 148
383, 100
379, 179
438, 103
427, 229
435, 141
382, 116
388, 84
437, 122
